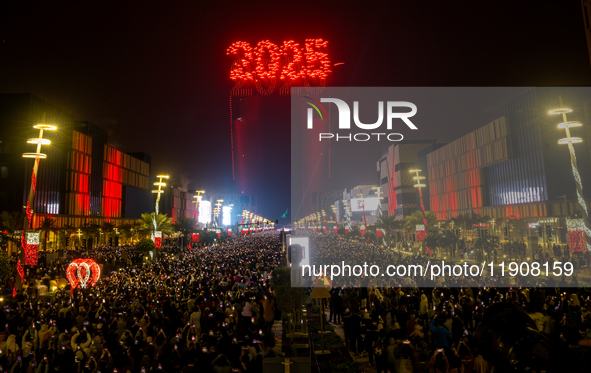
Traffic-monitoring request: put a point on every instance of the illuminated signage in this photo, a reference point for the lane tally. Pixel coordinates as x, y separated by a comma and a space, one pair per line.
205, 212
268, 66
371, 204
226, 215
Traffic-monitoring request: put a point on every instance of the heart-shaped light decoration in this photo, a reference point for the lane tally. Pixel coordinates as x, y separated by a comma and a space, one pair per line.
82, 271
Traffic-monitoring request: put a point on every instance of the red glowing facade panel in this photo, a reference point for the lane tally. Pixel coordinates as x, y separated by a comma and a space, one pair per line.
113, 173
456, 171
78, 175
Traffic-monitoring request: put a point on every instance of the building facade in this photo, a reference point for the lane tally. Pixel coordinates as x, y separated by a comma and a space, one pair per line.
395, 180
82, 180
513, 167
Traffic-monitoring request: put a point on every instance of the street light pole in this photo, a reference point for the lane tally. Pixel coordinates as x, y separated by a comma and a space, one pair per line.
158, 191
420, 185
568, 140
198, 198
30, 251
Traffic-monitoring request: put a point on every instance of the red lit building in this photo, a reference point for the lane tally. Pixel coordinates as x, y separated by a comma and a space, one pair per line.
82, 180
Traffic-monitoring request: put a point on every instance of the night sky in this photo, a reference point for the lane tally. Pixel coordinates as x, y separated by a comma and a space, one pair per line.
156, 74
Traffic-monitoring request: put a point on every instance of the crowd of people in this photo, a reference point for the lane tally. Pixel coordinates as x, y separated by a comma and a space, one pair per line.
189, 310
212, 309
409, 324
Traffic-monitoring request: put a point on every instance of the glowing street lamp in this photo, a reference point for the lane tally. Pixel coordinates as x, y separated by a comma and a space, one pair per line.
32, 239
569, 140
419, 184
158, 191
336, 221
198, 198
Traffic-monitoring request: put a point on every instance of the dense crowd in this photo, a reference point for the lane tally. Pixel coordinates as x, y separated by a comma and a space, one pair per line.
410, 325
331, 249
212, 309
208, 309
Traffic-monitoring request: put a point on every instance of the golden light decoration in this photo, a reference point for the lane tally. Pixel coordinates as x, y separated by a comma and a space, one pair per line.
570, 124
563, 110
571, 140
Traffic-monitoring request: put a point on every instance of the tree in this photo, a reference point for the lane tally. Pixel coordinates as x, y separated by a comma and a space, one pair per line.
462, 221
163, 224
126, 232
289, 299
371, 236
6, 268
46, 226
389, 224
411, 221
12, 222
432, 240
186, 226
108, 229
89, 230
145, 245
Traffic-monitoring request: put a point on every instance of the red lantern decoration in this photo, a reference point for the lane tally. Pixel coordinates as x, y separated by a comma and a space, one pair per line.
81, 272
30, 247
379, 233
158, 239
576, 240
195, 237
421, 235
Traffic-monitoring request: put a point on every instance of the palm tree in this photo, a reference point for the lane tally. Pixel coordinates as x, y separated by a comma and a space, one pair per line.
12, 222
46, 226
163, 224
389, 224
108, 229
411, 221
461, 221
126, 232
66, 232
185, 226
89, 230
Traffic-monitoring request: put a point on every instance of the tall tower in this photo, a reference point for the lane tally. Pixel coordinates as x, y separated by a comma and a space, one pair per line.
259, 105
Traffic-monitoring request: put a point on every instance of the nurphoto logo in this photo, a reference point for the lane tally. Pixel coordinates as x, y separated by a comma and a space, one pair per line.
344, 119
